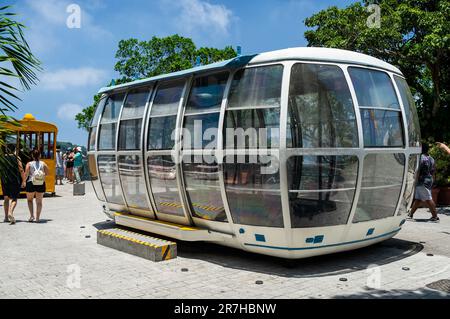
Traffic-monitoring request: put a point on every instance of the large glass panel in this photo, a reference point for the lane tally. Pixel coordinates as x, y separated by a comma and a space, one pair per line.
382, 128
207, 93
133, 182
134, 106
98, 111
409, 187
110, 179
163, 180
373, 88
167, 99
321, 189
203, 189
130, 135
252, 128
160, 133
94, 177
107, 139
321, 111
253, 191
256, 87
112, 108
92, 138
201, 131
410, 110
381, 186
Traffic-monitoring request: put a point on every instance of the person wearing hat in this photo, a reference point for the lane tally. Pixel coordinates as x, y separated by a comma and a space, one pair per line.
70, 160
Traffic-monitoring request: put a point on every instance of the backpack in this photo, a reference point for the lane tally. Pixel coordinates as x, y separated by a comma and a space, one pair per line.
38, 177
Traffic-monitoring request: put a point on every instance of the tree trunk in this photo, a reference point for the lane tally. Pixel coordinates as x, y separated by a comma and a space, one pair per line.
435, 76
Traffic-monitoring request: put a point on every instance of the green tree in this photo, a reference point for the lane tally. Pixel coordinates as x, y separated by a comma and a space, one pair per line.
18, 67
143, 59
414, 35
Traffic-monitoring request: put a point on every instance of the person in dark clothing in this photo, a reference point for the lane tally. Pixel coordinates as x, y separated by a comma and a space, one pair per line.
11, 183
425, 184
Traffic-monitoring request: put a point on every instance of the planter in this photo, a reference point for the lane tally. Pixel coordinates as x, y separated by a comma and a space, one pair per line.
444, 196
435, 193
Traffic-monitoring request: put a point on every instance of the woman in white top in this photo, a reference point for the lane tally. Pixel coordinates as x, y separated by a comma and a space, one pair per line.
35, 189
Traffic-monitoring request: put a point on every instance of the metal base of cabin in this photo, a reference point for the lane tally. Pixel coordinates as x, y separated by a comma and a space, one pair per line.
143, 246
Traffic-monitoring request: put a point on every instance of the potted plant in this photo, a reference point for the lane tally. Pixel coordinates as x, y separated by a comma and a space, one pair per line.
442, 175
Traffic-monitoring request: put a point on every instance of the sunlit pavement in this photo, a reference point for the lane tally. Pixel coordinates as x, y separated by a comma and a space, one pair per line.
61, 259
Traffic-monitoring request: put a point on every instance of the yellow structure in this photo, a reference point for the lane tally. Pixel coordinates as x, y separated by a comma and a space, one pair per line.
33, 134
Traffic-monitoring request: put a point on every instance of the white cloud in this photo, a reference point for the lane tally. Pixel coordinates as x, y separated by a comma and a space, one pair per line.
68, 111
201, 14
70, 78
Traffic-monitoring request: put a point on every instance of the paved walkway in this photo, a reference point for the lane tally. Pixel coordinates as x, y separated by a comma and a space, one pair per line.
60, 259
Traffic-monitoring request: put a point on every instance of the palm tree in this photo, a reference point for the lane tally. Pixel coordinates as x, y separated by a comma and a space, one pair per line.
18, 68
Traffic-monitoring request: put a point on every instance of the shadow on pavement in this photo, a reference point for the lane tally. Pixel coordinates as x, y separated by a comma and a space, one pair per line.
341, 263
397, 294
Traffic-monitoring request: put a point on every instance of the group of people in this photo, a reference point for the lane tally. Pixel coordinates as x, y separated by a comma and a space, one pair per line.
69, 165
31, 178
425, 182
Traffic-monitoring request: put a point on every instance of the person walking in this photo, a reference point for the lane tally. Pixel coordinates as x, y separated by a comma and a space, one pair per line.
425, 184
59, 167
11, 183
70, 159
78, 164
35, 173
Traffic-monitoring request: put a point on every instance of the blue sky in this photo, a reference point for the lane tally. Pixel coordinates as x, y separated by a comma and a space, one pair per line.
77, 62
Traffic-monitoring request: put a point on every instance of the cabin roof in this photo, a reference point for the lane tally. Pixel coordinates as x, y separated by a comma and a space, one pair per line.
301, 53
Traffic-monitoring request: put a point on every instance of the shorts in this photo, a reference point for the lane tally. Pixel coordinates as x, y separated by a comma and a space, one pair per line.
69, 165
423, 193
35, 188
11, 190
59, 171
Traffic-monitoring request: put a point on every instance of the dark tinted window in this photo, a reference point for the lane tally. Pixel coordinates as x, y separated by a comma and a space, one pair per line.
107, 139
130, 135
112, 108
201, 131
134, 106
207, 93
167, 99
160, 133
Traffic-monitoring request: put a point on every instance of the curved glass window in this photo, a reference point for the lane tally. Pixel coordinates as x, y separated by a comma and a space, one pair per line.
92, 138
203, 189
95, 178
163, 181
253, 190
130, 135
321, 189
201, 131
409, 187
373, 88
167, 99
94, 123
112, 108
133, 182
98, 111
135, 103
110, 179
410, 111
382, 128
252, 128
256, 87
160, 133
107, 139
381, 186
207, 93
321, 111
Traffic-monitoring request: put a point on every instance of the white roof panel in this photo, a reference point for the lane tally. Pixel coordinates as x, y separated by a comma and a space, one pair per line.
323, 54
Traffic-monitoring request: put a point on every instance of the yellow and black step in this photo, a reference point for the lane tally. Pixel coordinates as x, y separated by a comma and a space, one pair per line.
151, 248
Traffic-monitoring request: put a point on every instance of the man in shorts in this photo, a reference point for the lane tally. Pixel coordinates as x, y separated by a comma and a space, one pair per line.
11, 183
425, 184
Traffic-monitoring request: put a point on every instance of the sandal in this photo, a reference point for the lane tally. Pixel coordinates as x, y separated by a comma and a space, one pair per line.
31, 220
434, 219
12, 220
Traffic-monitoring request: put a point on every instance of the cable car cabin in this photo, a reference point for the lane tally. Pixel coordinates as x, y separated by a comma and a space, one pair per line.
292, 153
33, 134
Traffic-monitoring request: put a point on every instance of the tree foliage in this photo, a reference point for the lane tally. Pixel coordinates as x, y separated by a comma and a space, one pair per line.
17, 64
143, 59
414, 35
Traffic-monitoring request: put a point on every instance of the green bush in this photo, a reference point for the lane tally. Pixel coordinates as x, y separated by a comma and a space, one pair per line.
442, 166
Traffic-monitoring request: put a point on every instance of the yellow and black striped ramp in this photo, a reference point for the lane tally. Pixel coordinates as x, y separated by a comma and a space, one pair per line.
136, 244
